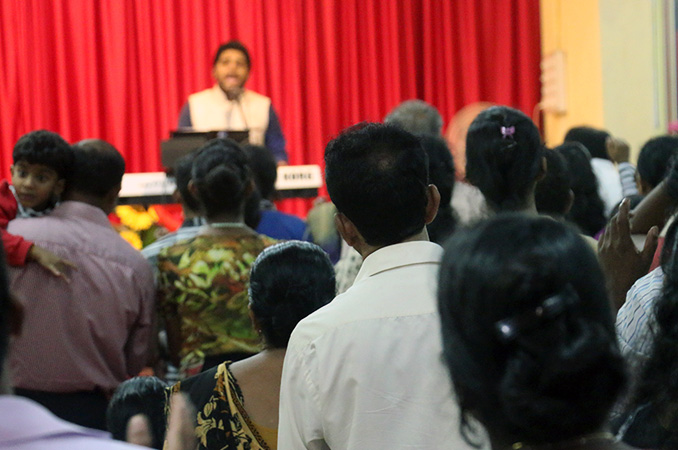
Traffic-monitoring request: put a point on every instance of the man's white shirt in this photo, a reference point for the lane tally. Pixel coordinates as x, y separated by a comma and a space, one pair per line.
366, 371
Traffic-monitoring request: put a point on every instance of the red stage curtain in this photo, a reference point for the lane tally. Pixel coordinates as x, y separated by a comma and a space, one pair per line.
121, 69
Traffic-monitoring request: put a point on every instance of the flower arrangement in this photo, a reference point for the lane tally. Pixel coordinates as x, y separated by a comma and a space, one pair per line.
137, 225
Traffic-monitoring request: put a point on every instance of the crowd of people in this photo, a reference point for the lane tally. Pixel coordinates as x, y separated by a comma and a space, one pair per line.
541, 321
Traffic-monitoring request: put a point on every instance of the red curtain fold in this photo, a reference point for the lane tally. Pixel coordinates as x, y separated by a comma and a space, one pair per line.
121, 69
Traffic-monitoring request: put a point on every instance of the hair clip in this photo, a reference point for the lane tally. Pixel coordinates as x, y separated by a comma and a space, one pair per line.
552, 307
507, 132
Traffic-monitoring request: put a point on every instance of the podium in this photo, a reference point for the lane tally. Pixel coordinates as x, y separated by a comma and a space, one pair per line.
156, 187
185, 141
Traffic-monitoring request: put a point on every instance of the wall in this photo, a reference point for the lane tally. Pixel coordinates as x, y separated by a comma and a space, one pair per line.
634, 75
615, 66
573, 26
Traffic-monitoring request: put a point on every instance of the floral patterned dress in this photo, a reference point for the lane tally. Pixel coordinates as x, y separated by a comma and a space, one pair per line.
204, 281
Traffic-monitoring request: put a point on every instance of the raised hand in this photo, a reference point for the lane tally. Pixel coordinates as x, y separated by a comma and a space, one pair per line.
621, 261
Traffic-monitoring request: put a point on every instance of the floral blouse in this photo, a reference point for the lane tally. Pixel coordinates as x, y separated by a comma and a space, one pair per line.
204, 282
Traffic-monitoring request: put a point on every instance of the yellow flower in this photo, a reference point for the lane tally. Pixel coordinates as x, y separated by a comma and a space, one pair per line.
136, 219
153, 213
132, 237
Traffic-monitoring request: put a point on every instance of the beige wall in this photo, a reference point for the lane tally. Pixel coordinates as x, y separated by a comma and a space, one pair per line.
634, 81
615, 67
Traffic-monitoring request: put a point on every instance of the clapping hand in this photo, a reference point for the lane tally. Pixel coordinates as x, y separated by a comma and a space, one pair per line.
621, 261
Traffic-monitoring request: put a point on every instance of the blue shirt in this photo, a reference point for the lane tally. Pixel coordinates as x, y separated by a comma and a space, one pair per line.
282, 226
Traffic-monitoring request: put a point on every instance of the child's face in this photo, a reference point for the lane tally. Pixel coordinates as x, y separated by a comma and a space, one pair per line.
36, 184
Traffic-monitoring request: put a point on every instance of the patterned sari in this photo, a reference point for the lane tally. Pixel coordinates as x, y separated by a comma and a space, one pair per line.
222, 422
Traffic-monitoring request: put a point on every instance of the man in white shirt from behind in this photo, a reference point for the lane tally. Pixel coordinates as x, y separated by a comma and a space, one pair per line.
366, 371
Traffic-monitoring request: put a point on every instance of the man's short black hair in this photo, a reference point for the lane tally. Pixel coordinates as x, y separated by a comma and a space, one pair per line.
46, 148
98, 168
377, 176
264, 168
233, 45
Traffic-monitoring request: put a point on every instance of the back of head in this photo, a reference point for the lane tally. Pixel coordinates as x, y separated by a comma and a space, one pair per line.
588, 210
139, 395
233, 45
182, 176
221, 175
655, 159
264, 168
528, 332
288, 282
98, 168
594, 140
377, 176
552, 195
46, 148
417, 117
441, 174
503, 157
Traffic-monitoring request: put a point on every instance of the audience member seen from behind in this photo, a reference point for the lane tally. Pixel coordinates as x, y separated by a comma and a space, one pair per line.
238, 403
654, 161
505, 159
273, 223
588, 210
42, 164
91, 334
203, 281
366, 371
424, 120
416, 117
528, 335
441, 175
650, 340
553, 195
25, 424
135, 398
597, 142
190, 207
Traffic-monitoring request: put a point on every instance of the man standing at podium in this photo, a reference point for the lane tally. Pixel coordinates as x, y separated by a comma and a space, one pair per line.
229, 106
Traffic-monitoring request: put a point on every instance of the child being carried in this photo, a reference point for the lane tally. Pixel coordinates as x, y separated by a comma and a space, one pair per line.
42, 161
